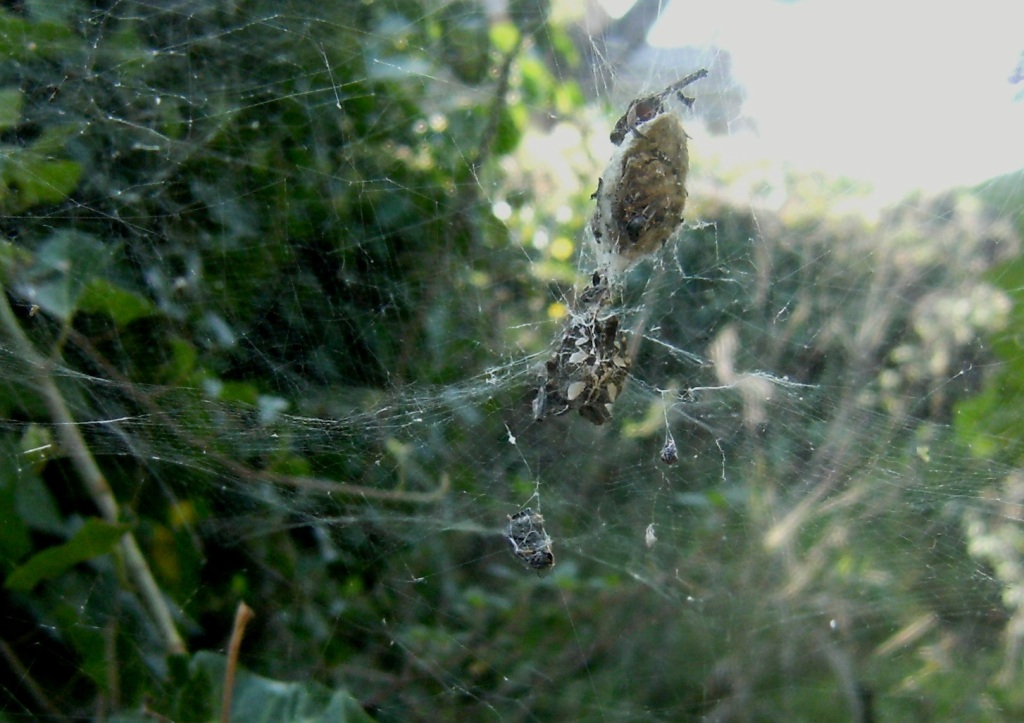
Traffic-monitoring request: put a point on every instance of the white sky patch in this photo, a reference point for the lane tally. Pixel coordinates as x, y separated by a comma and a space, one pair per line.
904, 95
617, 8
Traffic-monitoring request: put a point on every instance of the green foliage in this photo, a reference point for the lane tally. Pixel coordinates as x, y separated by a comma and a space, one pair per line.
255, 249
29, 175
989, 423
95, 538
10, 108
260, 206
197, 688
64, 265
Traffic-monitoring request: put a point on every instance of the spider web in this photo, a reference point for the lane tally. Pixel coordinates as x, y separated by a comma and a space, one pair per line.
295, 273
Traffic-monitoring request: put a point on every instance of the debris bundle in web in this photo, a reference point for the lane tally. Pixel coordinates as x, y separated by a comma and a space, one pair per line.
642, 192
640, 200
589, 367
528, 541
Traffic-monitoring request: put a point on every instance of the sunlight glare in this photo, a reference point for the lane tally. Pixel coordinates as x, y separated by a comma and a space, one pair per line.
907, 95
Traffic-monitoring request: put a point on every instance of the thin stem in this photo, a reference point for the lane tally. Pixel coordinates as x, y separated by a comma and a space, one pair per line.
85, 464
243, 615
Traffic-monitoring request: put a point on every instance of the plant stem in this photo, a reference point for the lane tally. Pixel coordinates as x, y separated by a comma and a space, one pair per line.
81, 457
243, 615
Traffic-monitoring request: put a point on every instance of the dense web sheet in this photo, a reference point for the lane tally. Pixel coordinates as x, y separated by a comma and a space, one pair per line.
294, 279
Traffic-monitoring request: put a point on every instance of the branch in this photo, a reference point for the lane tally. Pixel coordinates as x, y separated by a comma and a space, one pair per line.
497, 105
85, 464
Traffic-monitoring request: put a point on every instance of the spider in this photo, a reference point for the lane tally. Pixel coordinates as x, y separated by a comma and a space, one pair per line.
528, 541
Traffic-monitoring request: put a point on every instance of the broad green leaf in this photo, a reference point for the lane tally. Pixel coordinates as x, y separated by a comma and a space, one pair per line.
568, 97
64, 265
504, 36
87, 640
511, 122
94, 539
53, 140
37, 446
11, 257
121, 305
10, 107
14, 537
125, 49
51, 11
1005, 192
41, 180
537, 83
36, 173
256, 699
181, 361
36, 507
26, 41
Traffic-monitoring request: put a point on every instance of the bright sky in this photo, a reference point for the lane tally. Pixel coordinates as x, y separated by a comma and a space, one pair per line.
904, 94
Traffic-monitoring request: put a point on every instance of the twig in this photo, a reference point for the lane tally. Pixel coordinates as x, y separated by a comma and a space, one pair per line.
81, 458
113, 672
243, 615
498, 104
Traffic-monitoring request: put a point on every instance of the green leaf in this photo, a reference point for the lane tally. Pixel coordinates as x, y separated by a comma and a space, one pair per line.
1005, 192
37, 445
12, 258
10, 107
36, 174
181, 361
121, 305
50, 11
256, 699
25, 41
54, 140
42, 180
504, 36
14, 538
94, 539
509, 131
36, 507
64, 265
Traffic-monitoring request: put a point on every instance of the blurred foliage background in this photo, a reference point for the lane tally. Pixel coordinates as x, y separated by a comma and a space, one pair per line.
279, 280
